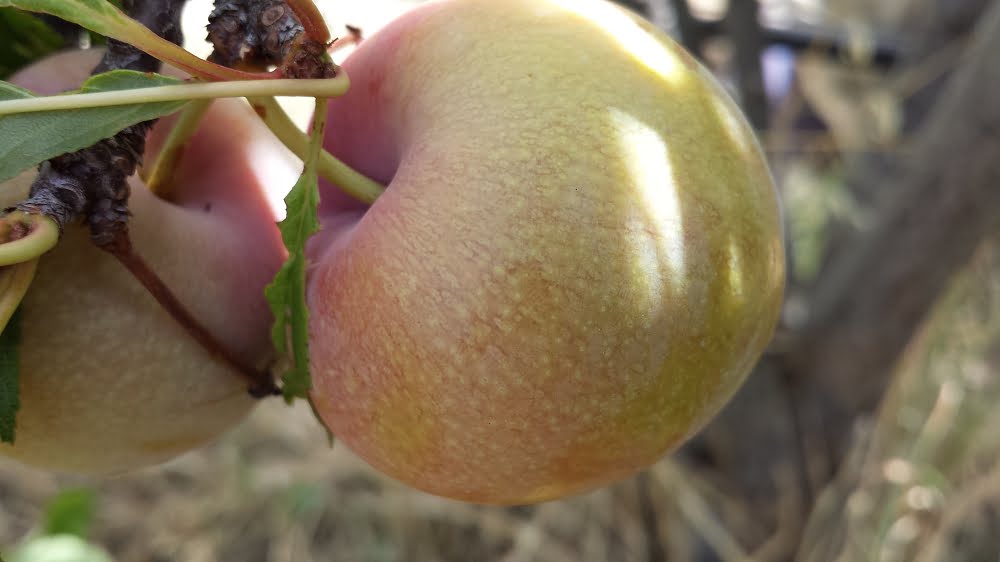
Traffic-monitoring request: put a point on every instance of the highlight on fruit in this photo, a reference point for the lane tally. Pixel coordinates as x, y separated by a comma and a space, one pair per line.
575, 262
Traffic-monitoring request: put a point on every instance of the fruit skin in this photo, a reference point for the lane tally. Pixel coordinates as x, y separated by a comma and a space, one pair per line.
576, 263
109, 381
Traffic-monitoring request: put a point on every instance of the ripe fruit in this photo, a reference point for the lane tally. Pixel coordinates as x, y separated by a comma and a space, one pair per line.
577, 260
109, 381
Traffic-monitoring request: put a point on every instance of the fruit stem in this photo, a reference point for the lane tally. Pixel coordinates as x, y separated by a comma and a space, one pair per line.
14, 282
349, 180
311, 19
27, 236
311, 88
261, 383
160, 175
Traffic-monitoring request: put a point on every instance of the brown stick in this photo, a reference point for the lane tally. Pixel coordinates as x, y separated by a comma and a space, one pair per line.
261, 383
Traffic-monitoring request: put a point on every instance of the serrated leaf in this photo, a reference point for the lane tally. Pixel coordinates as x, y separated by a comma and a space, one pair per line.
14, 283
70, 513
287, 293
26, 139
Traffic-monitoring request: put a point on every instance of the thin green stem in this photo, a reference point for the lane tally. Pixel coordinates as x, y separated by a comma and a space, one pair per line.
312, 88
351, 182
14, 282
41, 236
161, 171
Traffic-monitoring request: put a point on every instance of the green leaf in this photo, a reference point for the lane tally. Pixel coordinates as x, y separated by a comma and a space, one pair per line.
27, 139
70, 513
126, 80
26, 39
14, 283
287, 293
104, 18
9, 380
9, 91
96, 15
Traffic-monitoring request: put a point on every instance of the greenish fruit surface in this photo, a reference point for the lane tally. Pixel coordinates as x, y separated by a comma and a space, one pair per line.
576, 263
109, 381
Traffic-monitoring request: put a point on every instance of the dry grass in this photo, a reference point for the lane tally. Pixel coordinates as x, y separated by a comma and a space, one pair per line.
924, 486
922, 483
927, 487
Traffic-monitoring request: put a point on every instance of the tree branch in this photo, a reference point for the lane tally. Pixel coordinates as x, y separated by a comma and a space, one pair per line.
868, 303
91, 184
743, 24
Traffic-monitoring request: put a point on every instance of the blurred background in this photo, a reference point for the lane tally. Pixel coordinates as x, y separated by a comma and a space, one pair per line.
867, 432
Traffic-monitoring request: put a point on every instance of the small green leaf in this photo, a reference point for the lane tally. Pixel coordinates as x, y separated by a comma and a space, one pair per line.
287, 293
14, 282
9, 380
70, 513
27, 139
126, 80
9, 91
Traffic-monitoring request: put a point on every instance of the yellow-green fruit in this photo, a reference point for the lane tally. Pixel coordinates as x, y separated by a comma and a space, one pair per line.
108, 380
577, 260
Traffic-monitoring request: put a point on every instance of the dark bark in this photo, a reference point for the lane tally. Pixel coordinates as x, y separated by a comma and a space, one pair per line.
255, 32
262, 33
70, 32
946, 202
885, 50
797, 413
692, 31
743, 25
91, 183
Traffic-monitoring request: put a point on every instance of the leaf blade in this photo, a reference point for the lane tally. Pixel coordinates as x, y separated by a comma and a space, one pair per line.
70, 513
10, 400
27, 139
101, 16
287, 293
14, 283
27, 39
96, 15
